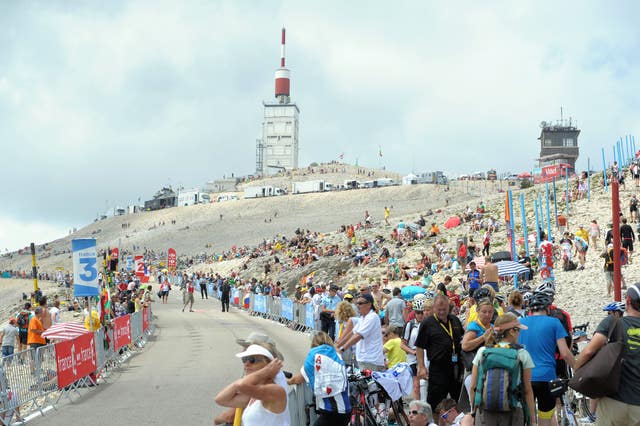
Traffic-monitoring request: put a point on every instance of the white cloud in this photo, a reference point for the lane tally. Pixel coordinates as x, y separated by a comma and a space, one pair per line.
16, 234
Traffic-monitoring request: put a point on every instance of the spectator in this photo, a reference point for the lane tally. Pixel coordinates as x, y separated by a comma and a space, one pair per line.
9, 338
367, 336
394, 310
328, 306
440, 336
393, 346
420, 414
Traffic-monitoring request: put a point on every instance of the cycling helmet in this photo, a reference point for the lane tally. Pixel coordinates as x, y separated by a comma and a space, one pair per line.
501, 298
539, 301
417, 305
547, 288
527, 297
615, 306
481, 293
419, 296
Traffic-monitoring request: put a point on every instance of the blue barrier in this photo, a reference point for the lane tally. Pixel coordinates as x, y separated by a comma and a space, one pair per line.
210, 289
260, 304
310, 316
287, 309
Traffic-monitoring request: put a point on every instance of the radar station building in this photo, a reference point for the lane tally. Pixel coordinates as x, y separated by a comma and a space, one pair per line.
558, 144
278, 149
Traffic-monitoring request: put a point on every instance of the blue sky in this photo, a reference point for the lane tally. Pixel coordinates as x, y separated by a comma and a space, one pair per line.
105, 102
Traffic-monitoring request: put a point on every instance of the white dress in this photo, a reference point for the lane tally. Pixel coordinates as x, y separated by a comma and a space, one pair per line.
256, 415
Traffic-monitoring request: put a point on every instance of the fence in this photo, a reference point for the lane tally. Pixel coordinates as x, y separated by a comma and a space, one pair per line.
32, 381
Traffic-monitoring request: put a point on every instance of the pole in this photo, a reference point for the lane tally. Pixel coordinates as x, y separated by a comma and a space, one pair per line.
626, 145
566, 195
541, 228
514, 254
615, 212
633, 142
524, 225
588, 179
620, 163
604, 172
555, 203
34, 267
538, 228
548, 214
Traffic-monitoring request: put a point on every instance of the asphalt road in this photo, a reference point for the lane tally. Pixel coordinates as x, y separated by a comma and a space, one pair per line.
174, 379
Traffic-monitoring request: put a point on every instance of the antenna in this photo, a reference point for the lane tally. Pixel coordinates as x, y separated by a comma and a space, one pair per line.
282, 75
561, 118
282, 47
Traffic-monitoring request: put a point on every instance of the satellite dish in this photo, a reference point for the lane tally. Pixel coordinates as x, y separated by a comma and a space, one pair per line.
543, 124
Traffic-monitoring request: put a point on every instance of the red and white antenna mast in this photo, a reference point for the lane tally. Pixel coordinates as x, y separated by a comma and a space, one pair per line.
283, 83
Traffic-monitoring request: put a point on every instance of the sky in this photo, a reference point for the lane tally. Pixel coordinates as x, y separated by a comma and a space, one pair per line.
103, 103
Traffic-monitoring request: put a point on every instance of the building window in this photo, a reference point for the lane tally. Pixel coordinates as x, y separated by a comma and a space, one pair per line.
547, 142
568, 142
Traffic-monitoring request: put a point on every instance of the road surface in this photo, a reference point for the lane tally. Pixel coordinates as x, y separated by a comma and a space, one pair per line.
185, 363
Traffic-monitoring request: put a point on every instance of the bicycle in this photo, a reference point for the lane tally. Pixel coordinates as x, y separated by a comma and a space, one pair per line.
560, 388
371, 405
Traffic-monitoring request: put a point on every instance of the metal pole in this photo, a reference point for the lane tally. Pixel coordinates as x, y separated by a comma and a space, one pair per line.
626, 145
548, 214
615, 212
34, 267
566, 195
620, 161
604, 172
524, 225
541, 214
538, 228
514, 254
555, 203
633, 142
588, 179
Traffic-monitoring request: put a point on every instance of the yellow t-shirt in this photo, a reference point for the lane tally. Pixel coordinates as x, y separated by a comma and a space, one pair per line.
583, 233
395, 354
473, 315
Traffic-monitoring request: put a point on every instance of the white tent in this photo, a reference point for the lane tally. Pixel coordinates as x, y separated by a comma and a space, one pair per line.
410, 179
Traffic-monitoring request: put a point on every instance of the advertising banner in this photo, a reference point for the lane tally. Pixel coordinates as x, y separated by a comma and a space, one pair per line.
259, 304
310, 316
141, 269
84, 348
172, 259
122, 331
287, 309
145, 319
129, 263
85, 267
65, 363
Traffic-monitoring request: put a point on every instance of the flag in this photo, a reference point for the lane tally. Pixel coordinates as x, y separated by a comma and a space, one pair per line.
341, 156
379, 150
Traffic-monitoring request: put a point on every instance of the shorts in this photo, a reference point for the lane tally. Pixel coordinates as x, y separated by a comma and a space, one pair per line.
188, 297
23, 336
628, 244
614, 412
494, 285
414, 369
543, 397
165, 293
7, 351
608, 276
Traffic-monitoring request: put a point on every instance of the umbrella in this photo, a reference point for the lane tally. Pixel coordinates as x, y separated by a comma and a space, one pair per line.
525, 175
452, 222
409, 291
65, 331
479, 261
509, 267
501, 255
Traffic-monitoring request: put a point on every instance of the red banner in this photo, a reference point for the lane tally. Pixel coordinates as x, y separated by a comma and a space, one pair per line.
85, 353
122, 331
172, 259
139, 265
65, 363
115, 253
552, 171
75, 359
145, 319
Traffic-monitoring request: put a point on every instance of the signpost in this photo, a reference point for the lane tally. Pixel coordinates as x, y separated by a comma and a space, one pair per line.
85, 268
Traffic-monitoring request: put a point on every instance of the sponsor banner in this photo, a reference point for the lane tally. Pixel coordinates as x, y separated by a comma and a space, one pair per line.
130, 263
287, 309
552, 171
115, 253
259, 303
65, 363
139, 266
85, 267
172, 259
145, 319
122, 331
85, 355
310, 319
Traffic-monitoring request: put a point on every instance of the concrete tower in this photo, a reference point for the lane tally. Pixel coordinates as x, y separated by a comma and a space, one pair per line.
278, 148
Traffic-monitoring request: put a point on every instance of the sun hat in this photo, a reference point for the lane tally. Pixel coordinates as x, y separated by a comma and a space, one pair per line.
258, 338
255, 350
510, 325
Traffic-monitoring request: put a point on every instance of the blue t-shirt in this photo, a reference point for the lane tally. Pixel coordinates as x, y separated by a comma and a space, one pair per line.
330, 303
336, 404
474, 279
540, 341
474, 326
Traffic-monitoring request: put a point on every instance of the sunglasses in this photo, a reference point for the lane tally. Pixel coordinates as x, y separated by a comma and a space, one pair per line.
415, 412
362, 303
250, 359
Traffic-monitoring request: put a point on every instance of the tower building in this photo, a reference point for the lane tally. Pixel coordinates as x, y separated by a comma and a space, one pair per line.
558, 143
278, 148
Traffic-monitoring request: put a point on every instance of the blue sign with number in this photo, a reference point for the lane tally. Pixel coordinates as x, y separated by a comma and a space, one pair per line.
310, 319
287, 309
129, 263
85, 267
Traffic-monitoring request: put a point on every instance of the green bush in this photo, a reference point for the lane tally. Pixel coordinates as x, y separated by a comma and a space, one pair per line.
525, 183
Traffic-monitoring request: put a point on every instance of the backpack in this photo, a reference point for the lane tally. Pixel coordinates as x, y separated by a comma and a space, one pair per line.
330, 377
23, 320
498, 388
557, 313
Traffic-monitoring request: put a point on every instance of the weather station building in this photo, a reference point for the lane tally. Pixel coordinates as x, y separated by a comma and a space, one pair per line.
558, 143
277, 151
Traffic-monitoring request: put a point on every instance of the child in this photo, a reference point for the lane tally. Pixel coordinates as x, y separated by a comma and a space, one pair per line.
392, 346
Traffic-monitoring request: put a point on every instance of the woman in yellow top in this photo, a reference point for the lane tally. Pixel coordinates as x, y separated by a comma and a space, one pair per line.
484, 292
393, 346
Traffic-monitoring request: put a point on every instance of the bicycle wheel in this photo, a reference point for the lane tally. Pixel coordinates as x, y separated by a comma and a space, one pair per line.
584, 408
399, 414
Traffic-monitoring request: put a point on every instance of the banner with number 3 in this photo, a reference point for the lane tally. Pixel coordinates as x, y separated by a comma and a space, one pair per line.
85, 267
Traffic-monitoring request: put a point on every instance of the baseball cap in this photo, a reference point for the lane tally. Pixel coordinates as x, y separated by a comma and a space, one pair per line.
255, 350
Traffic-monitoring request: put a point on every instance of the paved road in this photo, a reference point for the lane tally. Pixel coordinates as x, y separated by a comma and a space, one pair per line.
174, 379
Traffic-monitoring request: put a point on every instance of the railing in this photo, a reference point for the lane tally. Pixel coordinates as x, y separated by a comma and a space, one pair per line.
31, 381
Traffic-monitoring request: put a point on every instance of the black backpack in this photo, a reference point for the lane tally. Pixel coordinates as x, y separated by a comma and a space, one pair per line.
23, 320
557, 313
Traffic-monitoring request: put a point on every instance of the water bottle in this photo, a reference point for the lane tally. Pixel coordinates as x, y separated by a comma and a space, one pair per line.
423, 390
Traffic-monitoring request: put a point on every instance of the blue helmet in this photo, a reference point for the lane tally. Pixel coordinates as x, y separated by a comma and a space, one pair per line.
615, 306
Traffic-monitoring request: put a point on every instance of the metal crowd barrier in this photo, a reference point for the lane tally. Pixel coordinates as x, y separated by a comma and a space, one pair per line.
29, 378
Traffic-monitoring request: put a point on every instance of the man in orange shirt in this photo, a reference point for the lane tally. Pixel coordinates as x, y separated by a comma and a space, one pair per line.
34, 338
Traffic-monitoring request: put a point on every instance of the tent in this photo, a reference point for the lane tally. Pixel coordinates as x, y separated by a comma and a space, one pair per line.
452, 222
410, 179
